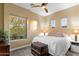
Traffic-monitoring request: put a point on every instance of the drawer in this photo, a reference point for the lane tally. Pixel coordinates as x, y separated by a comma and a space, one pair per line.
4, 50
75, 48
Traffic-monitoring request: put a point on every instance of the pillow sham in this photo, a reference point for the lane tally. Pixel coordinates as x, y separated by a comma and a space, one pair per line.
57, 34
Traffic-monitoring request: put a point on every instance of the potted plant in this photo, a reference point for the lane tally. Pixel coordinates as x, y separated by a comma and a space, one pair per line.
3, 35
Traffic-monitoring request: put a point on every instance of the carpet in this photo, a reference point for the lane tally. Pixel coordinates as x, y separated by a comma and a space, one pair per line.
27, 52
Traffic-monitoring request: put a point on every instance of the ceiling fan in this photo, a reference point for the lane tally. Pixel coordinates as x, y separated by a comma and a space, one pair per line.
43, 5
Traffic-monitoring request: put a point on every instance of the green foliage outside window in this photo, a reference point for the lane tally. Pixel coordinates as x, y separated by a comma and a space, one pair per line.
18, 27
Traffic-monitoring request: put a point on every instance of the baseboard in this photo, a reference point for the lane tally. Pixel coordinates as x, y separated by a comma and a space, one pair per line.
19, 47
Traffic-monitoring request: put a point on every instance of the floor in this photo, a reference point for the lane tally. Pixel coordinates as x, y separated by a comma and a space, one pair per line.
27, 52
22, 52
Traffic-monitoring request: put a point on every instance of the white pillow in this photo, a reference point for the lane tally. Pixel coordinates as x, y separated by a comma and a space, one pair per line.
41, 34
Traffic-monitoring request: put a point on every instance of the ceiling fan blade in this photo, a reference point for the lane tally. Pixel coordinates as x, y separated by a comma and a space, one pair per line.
36, 6
33, 5
44, 4
46, 10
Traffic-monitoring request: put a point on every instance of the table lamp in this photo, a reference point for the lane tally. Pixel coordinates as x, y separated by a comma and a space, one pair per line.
76, 32
44, 30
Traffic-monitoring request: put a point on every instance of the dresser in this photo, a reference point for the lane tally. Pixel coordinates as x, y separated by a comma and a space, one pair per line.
4, 49
39, 49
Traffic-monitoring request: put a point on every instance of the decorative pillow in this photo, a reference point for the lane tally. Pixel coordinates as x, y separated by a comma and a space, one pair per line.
51, 34
57, 34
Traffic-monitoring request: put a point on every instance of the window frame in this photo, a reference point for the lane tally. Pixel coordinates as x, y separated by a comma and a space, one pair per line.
64, 22
18, 29
53, 23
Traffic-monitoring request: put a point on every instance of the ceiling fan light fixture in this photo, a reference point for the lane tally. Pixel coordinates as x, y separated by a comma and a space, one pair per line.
43, 7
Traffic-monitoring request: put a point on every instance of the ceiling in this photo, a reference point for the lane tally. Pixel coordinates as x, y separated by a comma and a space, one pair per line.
52, 7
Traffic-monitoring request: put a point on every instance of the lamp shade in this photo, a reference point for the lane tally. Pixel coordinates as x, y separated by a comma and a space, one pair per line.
44, 29
76, 32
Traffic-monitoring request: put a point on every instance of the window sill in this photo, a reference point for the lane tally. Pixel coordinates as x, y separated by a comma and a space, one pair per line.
16, 40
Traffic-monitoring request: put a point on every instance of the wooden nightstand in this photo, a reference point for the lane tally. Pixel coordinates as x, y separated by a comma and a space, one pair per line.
4, 49
75, 46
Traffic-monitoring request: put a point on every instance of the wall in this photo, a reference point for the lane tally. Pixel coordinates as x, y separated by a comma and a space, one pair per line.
15, 10
72, 14
1, 16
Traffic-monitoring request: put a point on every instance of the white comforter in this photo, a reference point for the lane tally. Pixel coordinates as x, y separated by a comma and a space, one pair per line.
57, 46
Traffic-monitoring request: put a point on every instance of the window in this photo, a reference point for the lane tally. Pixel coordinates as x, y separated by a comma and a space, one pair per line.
64, 22
53, 23
17, 27
33, 26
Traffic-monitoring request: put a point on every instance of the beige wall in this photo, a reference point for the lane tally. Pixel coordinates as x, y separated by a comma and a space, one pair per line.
72, 14
1, 16
15, 10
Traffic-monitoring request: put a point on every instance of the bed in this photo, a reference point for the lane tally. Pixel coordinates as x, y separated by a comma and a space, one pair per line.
57, 45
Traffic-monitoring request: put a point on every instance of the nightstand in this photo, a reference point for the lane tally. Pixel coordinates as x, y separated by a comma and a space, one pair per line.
75, 46
4, 49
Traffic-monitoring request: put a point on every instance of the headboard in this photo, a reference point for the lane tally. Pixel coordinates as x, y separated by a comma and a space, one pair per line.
57, 34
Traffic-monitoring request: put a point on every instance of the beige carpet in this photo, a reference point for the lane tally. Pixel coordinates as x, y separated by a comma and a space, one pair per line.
27, 52
22, 52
